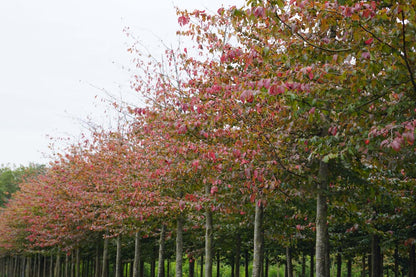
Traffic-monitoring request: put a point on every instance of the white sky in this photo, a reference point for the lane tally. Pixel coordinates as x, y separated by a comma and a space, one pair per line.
54, 52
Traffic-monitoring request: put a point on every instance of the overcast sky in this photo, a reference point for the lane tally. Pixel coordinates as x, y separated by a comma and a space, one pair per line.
54, 55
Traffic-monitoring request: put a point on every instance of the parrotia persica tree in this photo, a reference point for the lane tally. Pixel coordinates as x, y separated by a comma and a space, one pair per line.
277, 101
320, 84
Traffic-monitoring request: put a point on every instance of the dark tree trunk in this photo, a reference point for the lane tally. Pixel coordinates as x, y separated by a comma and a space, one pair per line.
396, 261
339, 264
349, 267
376, 257
141, 271
153, 267
322, 239
266, 266
258, 241
218, 262
136, 262
191, 267
289, 267
77, 263
312, 263
97, 261
66, 266
179, 246
237, 256
303, 265
412, 264
246, 260
161, 264
202, 266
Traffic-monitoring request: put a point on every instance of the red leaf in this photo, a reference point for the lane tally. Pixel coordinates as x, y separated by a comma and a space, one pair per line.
369, 41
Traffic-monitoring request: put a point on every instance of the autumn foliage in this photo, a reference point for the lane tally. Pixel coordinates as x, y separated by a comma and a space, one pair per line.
291, 120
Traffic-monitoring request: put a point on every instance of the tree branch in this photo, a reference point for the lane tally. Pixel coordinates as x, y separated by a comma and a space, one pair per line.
307, 41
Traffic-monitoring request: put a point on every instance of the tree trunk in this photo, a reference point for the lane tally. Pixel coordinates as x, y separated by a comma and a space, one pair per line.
77, 263
289, 266
105, 259
237, 256
66, 266
312, 263
412, 264
396, 261
97, 261
136, 262
339, 264
246, 263
303, 265
141, 271
349, 267
258, 241
179, 246
208, 238
191, 267
321, 222
218, 262
202, 266
376, 258
118, 256
58, 264
266, 266
28, 266
161, 264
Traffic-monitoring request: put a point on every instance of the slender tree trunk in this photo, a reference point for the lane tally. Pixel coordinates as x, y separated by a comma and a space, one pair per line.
28, 266
303, 265
179, 246
237, 256
97, 261
202, 266
339, 264
208, 238
396, 261
58, 264
246, 263
153, 264
118, 256
349, 267
218, 262
191, 267
136, 262
51, 266
321, 222
161, 264
289, 266
141, 268
412, 262
66, 266
266, 266
376, 258
312, 263
258, 241
77, 263
105, 259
